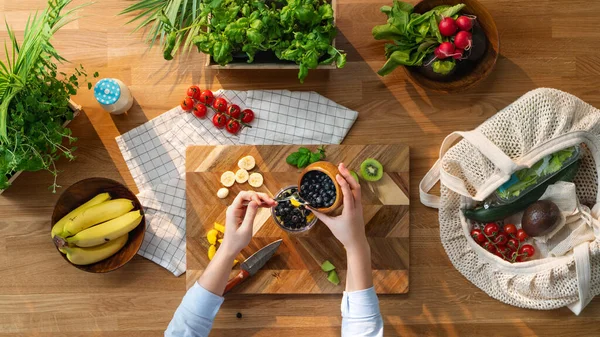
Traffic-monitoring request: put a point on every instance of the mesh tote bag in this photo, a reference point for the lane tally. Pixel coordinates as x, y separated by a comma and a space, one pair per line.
540, 123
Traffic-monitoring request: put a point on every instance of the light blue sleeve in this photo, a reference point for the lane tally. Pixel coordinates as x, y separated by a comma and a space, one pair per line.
360, 314
194, 316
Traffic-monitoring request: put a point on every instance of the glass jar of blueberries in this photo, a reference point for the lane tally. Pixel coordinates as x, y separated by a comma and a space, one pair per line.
290, 217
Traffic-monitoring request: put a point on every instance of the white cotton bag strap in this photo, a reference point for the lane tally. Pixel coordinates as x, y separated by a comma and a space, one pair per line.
503, 162
583, 270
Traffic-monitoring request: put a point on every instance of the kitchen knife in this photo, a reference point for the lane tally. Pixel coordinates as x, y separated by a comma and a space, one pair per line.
253, 264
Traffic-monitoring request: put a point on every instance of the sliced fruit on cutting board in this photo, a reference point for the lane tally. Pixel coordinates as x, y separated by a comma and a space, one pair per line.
247, 163
327, 266
255, 180
228, 178
332, 277
241, 176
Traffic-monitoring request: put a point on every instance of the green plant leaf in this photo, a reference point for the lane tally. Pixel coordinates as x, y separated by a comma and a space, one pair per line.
292, 159
303, 160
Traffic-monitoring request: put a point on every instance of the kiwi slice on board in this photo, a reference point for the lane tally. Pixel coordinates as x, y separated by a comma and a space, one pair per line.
327, 266
332, 277
354, 175
371, 170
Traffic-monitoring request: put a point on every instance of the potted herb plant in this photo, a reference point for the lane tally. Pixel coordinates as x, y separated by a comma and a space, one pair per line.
241, 34
35, 98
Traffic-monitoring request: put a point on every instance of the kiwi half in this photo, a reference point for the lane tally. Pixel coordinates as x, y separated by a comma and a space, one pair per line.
371, 170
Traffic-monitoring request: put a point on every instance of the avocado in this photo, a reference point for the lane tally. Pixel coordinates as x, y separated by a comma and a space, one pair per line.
540, 218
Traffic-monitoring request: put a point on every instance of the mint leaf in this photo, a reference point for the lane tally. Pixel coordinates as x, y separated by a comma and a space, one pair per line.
292, 159
303, 150
315, 157
303, 161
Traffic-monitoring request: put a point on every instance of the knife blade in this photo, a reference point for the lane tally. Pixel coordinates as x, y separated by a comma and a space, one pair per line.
253, 264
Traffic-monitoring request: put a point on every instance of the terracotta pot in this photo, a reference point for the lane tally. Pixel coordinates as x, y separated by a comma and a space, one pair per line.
331, 171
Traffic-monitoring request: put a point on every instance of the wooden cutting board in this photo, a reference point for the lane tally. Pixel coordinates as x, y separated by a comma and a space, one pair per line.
295, 269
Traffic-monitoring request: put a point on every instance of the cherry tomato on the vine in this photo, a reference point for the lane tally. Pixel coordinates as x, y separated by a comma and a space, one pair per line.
200, 110
233, 126
513, 243
510, 229
247, 116
234, 111
527, 250
478, 236
206, 97
521, 235
501, 239
491, 229
219, 120
187, 104
506, 252
194, 92
220, 104
490, 247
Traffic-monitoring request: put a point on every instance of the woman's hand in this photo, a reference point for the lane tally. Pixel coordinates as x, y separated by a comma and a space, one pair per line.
240, 219
349, 227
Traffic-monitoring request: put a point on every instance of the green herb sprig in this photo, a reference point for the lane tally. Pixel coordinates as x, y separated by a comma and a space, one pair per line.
303, 157
34, 98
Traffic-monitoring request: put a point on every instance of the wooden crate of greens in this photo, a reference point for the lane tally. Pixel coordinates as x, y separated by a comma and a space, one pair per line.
268, 60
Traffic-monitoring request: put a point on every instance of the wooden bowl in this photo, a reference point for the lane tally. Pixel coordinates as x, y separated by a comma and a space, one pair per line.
483, 67
84, 190
330, 170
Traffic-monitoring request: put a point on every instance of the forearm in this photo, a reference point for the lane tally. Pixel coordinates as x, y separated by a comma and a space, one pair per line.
216, 274
359, 274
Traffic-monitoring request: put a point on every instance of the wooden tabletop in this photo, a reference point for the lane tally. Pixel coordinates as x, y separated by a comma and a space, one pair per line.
542, 43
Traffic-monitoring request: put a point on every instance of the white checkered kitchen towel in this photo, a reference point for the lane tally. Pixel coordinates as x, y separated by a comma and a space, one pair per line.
155, 154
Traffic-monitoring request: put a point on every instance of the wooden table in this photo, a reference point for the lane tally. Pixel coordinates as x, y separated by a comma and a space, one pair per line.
543, 43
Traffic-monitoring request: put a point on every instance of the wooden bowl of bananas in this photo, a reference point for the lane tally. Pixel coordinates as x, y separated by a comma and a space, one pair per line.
98, 225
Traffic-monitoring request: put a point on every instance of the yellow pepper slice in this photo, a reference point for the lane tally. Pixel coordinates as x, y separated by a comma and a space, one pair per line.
212, 250
220, 227
211, 236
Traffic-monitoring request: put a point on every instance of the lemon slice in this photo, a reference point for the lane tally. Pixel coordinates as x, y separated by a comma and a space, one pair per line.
228, 179
241, 176
255, 180
294, 202
247, 163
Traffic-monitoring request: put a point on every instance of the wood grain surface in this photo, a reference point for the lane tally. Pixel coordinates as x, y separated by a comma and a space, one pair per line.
544, 44
296, 268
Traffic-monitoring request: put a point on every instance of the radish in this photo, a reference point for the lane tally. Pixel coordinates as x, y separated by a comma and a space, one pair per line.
463, 40
447, 26
464, 23
445, 49
458, 53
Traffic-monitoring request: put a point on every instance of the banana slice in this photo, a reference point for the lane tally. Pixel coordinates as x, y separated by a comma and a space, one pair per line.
255, 180
241, 176
247, 163
228, 179
223, 192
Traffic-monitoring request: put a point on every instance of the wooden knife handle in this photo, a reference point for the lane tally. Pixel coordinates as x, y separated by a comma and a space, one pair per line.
241, 277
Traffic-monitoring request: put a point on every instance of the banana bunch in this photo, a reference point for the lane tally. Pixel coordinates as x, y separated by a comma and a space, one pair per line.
96, 230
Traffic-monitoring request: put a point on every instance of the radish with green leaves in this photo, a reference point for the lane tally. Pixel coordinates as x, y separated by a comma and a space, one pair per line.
445, 49
463, 40
464, 23
447, 26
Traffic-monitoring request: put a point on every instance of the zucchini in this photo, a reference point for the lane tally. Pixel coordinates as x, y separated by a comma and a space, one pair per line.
495, 213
